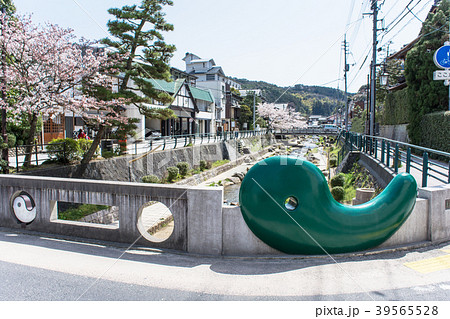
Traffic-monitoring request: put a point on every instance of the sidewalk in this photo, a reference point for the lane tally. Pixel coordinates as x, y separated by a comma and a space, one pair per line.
415, 274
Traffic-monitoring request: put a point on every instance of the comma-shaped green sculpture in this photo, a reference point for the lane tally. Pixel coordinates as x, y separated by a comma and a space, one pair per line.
287, 204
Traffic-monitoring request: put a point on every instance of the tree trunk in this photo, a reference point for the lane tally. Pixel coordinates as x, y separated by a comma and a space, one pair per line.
90, 153
29, 142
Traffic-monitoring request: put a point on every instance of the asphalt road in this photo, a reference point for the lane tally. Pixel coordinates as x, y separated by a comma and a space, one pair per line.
43, 268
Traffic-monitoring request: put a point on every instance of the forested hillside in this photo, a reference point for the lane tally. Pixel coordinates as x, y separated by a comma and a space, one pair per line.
308, 100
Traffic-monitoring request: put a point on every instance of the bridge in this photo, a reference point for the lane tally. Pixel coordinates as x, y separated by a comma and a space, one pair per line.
306, 131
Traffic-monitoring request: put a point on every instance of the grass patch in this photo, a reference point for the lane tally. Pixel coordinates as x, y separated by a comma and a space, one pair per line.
78, 211
219, 163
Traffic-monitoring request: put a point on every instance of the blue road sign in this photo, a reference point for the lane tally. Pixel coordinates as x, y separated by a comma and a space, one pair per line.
442, 57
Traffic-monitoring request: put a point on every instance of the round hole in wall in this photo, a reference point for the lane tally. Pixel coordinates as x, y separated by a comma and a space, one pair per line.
155, 222
291, 203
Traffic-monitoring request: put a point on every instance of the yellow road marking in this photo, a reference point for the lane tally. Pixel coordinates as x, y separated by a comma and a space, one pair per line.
430, 265
446, 251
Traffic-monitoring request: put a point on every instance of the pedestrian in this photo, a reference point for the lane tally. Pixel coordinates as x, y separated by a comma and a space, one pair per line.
81, 134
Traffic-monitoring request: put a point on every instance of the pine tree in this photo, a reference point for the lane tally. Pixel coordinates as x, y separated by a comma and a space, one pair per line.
8, 5
139, 32
424, 94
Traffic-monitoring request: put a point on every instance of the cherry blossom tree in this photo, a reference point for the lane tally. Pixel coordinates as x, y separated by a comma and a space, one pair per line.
279, 118
43, 70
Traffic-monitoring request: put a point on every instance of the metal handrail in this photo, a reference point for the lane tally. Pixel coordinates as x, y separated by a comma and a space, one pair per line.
369, 144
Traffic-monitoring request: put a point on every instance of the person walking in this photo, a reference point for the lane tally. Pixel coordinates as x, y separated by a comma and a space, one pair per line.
81, 134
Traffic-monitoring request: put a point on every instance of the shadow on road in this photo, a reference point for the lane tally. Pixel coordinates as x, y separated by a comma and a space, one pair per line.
222, 265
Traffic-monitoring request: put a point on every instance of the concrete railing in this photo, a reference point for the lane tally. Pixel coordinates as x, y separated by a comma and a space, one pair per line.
197, 211
201, 224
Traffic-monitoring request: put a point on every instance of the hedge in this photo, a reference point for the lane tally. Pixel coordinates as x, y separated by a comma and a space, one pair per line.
65, 154
151, 179
183, 167
338, 180
436, 131
338, 193
396, 108
75, 149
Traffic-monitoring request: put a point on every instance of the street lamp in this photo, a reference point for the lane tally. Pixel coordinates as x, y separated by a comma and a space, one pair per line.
384, 79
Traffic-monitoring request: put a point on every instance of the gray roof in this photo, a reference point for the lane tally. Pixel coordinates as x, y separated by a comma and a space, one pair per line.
215, 70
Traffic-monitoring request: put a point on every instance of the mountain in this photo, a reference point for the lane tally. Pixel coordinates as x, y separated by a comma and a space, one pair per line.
317, 100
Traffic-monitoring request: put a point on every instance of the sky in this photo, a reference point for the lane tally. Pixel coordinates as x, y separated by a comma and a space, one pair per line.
285, 42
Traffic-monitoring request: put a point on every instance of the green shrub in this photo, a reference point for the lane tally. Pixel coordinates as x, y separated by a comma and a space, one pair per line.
65, 154
3, 164
396, 108
172, 173
436, 131
2, 145
204, 165
11, 140
108, 154
85, 145
338, 193
183, 167
338, 180
151, 179
333, 162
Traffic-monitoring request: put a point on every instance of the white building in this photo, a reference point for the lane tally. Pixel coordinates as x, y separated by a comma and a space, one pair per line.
212, 77
256, 92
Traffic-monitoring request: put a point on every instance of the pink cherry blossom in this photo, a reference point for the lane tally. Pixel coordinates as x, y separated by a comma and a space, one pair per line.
46, 71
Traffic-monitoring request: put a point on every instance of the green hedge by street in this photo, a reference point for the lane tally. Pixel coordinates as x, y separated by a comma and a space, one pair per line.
396, 108
436, 131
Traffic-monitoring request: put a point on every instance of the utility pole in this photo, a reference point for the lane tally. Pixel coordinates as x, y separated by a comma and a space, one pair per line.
374, 69
254, 110
367, 105
4, 134
346, 69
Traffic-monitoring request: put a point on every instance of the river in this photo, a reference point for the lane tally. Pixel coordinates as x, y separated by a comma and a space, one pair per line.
231, 193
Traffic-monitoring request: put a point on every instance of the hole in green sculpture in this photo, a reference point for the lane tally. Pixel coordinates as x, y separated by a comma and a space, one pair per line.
291, 203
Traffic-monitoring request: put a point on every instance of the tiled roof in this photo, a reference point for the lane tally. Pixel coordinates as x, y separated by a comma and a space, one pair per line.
200, 94
169, 87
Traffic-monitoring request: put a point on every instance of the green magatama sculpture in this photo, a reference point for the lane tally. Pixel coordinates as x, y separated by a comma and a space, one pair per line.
287, 204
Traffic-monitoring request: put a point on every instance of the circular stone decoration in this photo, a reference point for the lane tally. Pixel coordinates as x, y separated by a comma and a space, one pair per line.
23, 207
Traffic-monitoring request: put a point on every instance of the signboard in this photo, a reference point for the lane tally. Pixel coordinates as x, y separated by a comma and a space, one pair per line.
441, 75
442, 56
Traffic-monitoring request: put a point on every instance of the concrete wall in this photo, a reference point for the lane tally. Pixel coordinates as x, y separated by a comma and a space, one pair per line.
378, 170
202, 224
414, 230
132, 168
238, 239
395, 132
196, 210
439, 217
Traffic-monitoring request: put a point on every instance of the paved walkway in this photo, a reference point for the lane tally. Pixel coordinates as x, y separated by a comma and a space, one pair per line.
64, 269
154, 214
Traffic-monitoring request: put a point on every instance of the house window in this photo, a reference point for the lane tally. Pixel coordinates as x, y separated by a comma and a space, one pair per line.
54, 125
210, 77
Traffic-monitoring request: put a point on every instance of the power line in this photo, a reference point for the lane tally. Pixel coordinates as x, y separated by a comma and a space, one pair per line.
389, 28
409, 21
